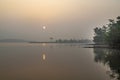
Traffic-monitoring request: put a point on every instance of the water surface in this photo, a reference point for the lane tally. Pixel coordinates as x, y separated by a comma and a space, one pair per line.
24, 61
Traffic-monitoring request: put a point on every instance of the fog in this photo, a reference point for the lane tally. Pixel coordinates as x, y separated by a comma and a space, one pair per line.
65, 19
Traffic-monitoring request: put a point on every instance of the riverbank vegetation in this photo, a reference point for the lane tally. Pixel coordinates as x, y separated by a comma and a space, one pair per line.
109, 34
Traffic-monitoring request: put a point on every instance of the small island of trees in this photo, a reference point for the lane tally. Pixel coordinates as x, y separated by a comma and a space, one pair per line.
73, 41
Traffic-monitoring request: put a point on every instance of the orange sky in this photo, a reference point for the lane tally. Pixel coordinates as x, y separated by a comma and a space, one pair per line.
63, 18
44, 10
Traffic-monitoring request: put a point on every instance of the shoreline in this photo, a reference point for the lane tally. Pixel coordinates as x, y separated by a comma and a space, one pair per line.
102, 46
88, 45
60, 42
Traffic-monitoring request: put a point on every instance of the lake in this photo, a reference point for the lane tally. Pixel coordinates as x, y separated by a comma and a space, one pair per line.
45, 61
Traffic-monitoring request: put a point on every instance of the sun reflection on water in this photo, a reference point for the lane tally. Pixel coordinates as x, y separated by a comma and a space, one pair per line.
44, 57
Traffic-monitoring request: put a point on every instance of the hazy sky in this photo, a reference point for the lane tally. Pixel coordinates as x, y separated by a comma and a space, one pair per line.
24, 19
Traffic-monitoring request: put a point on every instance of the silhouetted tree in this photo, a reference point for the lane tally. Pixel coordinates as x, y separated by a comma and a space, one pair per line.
99, 37
109, 34
113, 34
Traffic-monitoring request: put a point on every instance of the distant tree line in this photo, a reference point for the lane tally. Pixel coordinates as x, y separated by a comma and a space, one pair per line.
73, 41
109, 34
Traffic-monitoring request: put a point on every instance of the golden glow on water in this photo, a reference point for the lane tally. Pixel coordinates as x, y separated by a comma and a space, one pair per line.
44, 57
44, 44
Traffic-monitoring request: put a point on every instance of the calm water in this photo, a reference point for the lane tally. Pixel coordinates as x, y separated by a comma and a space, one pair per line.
24, 61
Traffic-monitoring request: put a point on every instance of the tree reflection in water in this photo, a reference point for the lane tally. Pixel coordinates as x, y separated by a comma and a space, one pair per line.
110, 57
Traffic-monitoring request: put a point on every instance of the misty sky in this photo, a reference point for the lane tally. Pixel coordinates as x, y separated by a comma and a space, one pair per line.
65, 19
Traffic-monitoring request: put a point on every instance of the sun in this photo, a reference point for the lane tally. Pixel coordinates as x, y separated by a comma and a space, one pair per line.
44, 27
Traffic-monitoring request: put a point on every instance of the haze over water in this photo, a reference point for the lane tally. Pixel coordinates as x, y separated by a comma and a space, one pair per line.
22, 61
66, 19
68, 22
